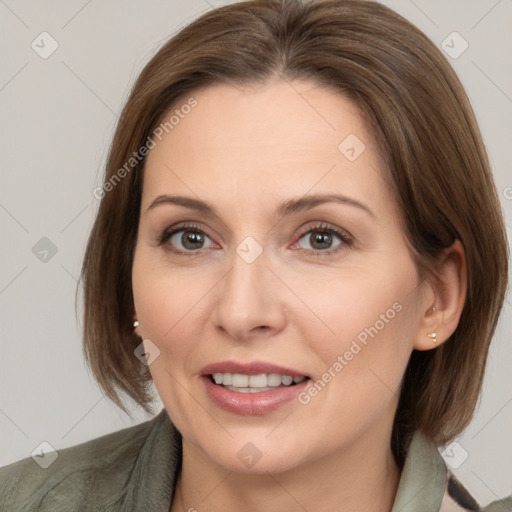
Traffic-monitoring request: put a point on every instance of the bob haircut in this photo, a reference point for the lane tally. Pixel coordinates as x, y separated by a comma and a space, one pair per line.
421, 118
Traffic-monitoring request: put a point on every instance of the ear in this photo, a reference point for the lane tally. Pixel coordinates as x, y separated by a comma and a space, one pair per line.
444, 299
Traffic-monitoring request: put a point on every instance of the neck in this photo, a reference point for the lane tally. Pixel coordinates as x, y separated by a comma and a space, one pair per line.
360, 476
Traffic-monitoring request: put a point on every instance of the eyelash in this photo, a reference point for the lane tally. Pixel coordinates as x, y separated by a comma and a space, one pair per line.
345, 238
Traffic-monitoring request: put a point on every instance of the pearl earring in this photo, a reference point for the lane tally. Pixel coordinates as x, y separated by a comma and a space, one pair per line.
433, 336
135, 324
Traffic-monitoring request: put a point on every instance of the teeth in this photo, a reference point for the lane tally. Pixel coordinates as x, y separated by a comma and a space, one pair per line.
286, 380
248, 390
239, 380
260, 382
274, 379
257, 381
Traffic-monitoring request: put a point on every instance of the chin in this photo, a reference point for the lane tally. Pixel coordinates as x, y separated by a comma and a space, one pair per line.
255, 455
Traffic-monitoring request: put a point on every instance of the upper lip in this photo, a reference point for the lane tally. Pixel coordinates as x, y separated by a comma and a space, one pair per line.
251, 368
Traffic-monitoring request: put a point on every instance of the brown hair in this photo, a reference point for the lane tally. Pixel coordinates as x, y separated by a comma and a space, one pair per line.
421, 117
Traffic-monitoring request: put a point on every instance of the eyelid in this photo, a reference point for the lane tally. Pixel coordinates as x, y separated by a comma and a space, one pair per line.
322, 225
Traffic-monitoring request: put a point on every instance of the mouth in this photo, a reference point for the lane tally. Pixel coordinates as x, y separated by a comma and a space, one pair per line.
252, 388
262, 382
255, 394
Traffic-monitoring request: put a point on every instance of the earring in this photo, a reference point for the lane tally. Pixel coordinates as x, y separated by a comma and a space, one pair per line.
135, 324
433, 336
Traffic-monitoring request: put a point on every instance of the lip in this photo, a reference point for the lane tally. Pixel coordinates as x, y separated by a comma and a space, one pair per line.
252, 368
255, 404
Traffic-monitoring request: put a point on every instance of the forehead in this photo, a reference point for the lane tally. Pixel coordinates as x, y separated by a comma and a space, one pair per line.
281, 137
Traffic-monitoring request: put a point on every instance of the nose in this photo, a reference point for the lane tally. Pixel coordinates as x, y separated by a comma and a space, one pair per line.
249, 301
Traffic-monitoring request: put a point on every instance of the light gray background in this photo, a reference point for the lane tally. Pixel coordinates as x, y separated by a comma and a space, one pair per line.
58, 115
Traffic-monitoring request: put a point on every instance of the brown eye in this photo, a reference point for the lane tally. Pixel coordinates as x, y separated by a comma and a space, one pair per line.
190, 240
320, 240
186, 239
324, 240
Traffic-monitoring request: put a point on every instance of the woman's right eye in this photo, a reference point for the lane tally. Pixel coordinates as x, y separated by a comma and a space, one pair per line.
186, 239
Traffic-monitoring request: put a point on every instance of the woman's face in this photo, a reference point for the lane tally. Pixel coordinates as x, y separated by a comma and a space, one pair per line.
302, 271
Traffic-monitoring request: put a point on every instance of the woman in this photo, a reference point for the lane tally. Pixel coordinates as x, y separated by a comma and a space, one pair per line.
300, 244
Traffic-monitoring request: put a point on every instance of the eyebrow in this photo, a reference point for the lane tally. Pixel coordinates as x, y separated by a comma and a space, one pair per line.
288, 207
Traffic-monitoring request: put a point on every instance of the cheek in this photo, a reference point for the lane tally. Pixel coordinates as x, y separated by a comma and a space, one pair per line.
366, 319
167, 303
355, 302
165, 298
359, 369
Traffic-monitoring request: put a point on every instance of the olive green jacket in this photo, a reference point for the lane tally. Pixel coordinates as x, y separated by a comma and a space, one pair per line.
136, 469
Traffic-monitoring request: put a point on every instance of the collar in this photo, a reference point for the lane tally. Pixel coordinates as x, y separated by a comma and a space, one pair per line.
422, 483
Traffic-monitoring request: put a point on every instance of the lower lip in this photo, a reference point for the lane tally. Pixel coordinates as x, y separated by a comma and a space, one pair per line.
252, 403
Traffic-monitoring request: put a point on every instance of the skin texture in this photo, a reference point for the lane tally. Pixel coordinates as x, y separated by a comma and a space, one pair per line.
245, 151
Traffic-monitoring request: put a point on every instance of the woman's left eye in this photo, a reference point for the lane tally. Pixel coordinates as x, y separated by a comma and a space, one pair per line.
324, 240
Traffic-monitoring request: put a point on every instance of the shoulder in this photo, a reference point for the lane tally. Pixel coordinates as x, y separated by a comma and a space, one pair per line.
101, 465
504, 505
457, 498
427, 484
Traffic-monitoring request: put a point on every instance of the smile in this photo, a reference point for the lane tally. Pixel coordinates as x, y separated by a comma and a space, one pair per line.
246, 400
262, 382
